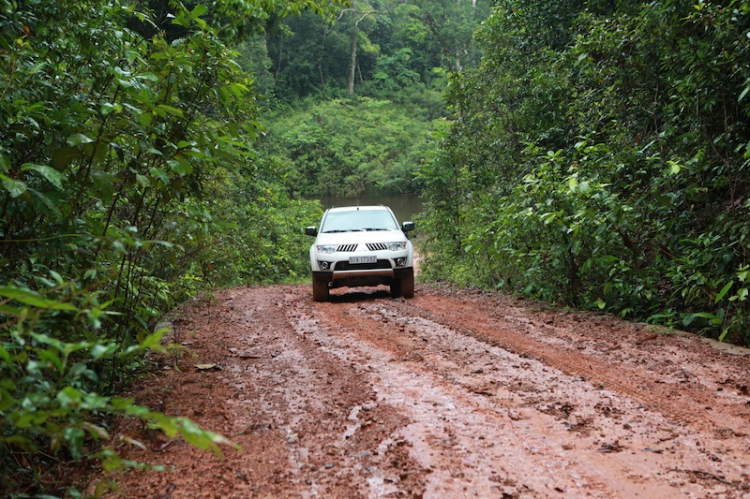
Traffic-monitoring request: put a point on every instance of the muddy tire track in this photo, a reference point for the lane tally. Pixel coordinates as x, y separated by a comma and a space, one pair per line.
449, 394
692, 402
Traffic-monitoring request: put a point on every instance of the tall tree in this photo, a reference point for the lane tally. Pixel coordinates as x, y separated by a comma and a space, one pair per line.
359, 18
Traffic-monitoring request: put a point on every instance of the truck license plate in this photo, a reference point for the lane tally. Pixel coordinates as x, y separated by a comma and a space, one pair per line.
363, 259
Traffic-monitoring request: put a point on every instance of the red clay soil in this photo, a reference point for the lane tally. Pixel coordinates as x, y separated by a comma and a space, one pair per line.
449, 394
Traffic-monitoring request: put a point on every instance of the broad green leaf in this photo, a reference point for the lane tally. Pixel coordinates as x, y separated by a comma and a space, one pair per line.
98, 351
198, 11
168, 425
723, 291
160, 174
69, 396
12, 311
164, 110
63, 157
14, 187
74, 437
33, 299
200, 438
108, 108
153, 341
103, 185
238, 89
53, 342
575, 248
713, 318
98, 151
148, 77
50, 174
181, 19
723, 334
53, 358
4, 355
196, 153
77, 139
6, 400
142, 181
30, 418
180, 166
56, 276
49, 206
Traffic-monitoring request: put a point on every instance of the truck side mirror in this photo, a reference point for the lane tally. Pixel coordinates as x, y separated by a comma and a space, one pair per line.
408, 226
311, 231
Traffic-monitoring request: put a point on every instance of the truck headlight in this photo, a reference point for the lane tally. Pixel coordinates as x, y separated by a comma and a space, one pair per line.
325, 248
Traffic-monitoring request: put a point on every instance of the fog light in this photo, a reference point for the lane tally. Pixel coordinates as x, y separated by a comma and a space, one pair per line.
400, 262
324, 265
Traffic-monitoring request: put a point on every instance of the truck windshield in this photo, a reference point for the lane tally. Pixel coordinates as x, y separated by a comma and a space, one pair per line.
347, 221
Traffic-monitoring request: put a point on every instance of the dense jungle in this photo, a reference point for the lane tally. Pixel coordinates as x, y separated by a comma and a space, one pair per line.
589, 154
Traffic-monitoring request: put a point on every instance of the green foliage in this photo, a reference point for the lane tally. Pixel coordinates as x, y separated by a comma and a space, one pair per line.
126, 154
261, 240
351, 147
381, 66
640, 206
374, 48
51, 406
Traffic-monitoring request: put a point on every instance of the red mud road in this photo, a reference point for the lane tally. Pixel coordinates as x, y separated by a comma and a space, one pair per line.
449, 394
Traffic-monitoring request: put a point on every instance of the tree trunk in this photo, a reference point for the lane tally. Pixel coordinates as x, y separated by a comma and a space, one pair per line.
353, 62
322, 78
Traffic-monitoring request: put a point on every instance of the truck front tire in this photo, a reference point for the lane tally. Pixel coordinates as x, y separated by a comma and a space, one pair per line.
321, 291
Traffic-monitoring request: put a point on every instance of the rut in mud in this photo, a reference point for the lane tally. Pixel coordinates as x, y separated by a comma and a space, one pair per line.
449, 394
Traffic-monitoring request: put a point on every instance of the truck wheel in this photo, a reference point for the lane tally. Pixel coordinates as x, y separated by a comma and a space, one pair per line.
320, 290
395, 288
407, 285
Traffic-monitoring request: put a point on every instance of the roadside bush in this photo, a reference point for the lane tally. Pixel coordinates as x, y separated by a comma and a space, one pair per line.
51, 399
604, 164
122, 135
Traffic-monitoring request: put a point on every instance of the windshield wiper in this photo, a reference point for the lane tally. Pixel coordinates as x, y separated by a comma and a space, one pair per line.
372, 228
